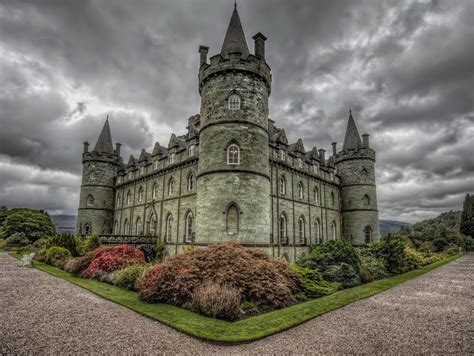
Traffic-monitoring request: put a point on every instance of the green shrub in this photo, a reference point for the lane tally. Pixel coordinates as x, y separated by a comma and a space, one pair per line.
65, 240
216, 301
78, 265
342, 273
313, 283
18, 239
56, 256
374, 265
160, 251
391, 251
128, 277
2, 243
91, 243
427, 247
330, 253
26, 250
35, 224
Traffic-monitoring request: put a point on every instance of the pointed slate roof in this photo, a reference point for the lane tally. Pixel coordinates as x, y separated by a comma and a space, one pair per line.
104, 142
131, 161
352, 139
234, 40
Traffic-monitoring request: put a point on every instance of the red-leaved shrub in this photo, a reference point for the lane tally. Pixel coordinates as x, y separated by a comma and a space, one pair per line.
110, 259
267, 282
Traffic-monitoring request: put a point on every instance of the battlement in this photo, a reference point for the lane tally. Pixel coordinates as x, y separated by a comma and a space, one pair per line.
235, 63
357, 153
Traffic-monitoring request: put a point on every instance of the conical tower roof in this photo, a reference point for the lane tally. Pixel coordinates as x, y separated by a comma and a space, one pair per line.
104, 142
352, 139
235, 38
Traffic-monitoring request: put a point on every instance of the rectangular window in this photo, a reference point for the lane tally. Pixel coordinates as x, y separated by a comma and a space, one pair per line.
282, 155
191, 150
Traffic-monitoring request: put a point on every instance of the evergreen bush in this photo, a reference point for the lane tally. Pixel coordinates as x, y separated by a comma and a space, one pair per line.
128, 277
313, 283
375, 266
65, 240
330, 253
18, 239
56, 256
91, 243
391, 251
342, 273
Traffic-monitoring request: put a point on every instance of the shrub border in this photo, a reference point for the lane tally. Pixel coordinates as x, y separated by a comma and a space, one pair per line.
246, 330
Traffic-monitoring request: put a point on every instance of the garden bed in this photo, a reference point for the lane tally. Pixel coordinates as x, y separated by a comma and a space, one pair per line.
249, 329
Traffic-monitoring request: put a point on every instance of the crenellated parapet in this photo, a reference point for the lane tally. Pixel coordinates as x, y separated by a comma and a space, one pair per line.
357, 153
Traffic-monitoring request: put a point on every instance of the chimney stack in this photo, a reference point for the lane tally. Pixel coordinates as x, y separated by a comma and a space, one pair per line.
86, 147
259, 43
117, 148
334, 149
365, 140
203, 50
322, 158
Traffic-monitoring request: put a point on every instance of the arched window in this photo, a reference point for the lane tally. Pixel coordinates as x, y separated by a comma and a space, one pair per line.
366, 200
191, 182
126, 227
282, 185
92, 175
116, 227
118, 200
333, 230
316, 195
169, 228
138, 227
300, 190
283, 230
368, 234
232, 220
234, 102
171, 186
129, 197
233, 154
301, 233
87, 229
333, 199
141, 192
154, 192
151, 224
317, 232
90, 200
188, 236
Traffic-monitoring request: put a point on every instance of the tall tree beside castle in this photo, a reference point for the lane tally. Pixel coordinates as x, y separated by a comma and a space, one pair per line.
467, 216
233, 175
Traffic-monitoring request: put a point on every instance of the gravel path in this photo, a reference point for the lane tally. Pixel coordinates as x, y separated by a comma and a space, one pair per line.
431, 314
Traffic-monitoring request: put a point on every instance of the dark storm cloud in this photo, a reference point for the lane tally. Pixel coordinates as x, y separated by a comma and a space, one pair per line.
405, 68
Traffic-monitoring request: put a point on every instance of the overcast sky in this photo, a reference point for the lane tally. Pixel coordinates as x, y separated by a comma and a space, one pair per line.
406, 68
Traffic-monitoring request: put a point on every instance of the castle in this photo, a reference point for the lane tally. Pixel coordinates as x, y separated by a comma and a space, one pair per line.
233, 175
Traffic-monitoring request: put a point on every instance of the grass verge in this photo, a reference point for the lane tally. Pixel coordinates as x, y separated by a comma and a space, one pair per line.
249, 329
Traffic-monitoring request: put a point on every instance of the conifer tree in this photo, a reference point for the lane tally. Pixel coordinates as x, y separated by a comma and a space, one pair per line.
467, 217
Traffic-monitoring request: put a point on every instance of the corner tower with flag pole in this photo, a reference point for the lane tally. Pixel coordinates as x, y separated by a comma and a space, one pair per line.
233, 199
356, 168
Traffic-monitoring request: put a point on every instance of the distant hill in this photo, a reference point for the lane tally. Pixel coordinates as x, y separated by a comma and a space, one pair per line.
64, 223
390, 226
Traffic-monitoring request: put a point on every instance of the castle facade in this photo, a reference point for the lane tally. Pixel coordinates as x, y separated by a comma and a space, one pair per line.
233, 175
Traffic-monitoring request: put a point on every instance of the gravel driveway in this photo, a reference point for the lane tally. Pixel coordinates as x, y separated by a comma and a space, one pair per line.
431, 314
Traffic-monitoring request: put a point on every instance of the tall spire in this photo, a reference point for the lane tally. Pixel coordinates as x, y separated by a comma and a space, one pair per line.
352, 139
234, 40
104, 142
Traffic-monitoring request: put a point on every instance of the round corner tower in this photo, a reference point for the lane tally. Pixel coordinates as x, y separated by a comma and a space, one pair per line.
233, 198
356, 168
97, 197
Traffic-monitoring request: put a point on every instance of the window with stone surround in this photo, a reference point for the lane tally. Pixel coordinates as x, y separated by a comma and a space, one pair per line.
155, 165
141, 193
301, 232
333, 230
233, 154
154, 192
90, 200
188, 237
317, 231
316, 195
129, 197
126, 227
234, 102
191, 182
232, 219
282, 185
366, 200
138, 227
171, 186
300, 190
283, 229
191, 150
333, 199
368, 234
169, 228
282, 155
117, 201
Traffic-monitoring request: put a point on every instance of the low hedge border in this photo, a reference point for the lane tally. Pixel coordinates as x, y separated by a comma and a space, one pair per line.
246, 330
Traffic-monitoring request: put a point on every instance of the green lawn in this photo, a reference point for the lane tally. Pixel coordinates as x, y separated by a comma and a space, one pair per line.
245, 330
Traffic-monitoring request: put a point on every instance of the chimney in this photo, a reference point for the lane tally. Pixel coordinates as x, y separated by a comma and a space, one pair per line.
117, 148
259, 45
203, 50
365, 140
322, 158
86, 147
334, 149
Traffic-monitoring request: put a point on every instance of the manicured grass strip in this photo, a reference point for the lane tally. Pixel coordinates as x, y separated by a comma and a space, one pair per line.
248, 329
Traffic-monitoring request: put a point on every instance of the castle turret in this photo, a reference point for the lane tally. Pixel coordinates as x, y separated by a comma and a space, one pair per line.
96, 202
356, 168
233, 199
